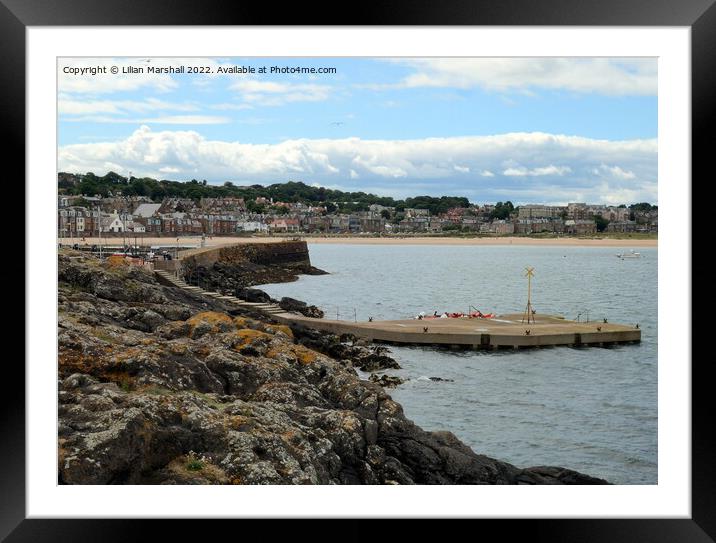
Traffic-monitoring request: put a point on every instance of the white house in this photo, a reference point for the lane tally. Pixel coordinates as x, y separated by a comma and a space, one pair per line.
136, 227
114, 223
251, 226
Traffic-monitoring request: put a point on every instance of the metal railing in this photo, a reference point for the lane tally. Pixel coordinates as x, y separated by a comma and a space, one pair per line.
582, 313
338, 313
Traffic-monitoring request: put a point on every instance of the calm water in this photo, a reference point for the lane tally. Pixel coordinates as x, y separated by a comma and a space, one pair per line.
589, 409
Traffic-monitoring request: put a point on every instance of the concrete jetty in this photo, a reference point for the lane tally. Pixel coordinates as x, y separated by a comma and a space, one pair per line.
502, 332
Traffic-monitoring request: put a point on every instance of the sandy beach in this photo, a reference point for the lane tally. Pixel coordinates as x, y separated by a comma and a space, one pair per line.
359, 240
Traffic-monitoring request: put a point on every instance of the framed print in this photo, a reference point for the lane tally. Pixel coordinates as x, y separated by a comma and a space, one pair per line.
400, 267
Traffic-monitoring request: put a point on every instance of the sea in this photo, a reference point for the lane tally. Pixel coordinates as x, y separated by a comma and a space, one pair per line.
591, 409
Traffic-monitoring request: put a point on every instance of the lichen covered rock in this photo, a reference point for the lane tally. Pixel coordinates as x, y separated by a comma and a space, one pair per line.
157, 386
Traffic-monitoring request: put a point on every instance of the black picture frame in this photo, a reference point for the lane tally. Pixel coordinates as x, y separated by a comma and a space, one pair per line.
699, 15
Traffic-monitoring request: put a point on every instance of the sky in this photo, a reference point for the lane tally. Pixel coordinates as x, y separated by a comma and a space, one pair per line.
528, 130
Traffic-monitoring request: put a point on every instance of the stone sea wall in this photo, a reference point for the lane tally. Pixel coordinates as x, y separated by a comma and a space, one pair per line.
227, 269
283, 253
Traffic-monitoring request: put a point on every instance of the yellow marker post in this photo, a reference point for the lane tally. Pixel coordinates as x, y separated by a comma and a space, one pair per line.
529, 272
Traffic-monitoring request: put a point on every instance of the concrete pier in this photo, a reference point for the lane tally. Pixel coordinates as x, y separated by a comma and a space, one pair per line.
502, 332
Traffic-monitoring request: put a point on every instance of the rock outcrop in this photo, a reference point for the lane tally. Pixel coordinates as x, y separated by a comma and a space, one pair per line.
386, 381
291, 304
253, 295
239, 266
160, 386
367, 358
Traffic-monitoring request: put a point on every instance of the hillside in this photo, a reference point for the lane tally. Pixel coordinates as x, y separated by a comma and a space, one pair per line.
290, 192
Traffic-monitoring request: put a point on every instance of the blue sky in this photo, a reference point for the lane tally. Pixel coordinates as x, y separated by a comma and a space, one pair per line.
525, 129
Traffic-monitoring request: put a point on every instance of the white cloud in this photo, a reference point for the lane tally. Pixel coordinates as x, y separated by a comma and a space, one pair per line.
521, 171
270, 93
231, 107
461, 169
614, 171
546, 164
610, 76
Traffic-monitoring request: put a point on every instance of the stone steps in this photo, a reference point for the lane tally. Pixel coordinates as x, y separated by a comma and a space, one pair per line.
264, 307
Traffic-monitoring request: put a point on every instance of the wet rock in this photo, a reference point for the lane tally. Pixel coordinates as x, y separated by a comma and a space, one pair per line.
366, 358
374, 359
386, 381
312, 270
548, 475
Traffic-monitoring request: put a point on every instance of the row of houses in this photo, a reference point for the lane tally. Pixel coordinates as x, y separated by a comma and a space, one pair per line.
80, 221
229, 216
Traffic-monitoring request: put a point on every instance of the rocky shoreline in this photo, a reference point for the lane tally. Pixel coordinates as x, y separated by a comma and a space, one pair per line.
242, 266
161, 386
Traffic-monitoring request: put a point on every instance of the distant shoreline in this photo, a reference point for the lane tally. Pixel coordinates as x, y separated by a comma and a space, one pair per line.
360, 240
576, 242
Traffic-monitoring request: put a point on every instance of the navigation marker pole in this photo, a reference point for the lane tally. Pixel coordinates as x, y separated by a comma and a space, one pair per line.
529, 312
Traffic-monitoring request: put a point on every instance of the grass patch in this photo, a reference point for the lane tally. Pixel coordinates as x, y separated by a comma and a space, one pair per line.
126, 384
194, 462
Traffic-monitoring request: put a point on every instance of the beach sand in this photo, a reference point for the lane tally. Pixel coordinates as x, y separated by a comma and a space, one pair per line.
359, 240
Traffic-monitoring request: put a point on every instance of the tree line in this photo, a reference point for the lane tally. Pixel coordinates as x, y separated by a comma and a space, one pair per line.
292, 192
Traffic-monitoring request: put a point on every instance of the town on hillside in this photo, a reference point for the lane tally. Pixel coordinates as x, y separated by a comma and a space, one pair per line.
167, 208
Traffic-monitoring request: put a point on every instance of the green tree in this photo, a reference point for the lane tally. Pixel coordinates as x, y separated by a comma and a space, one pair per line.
502, 210
81, 202
642, 206
195, 193
436, 206
601, 223
253, 207
279, 210
114, 178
